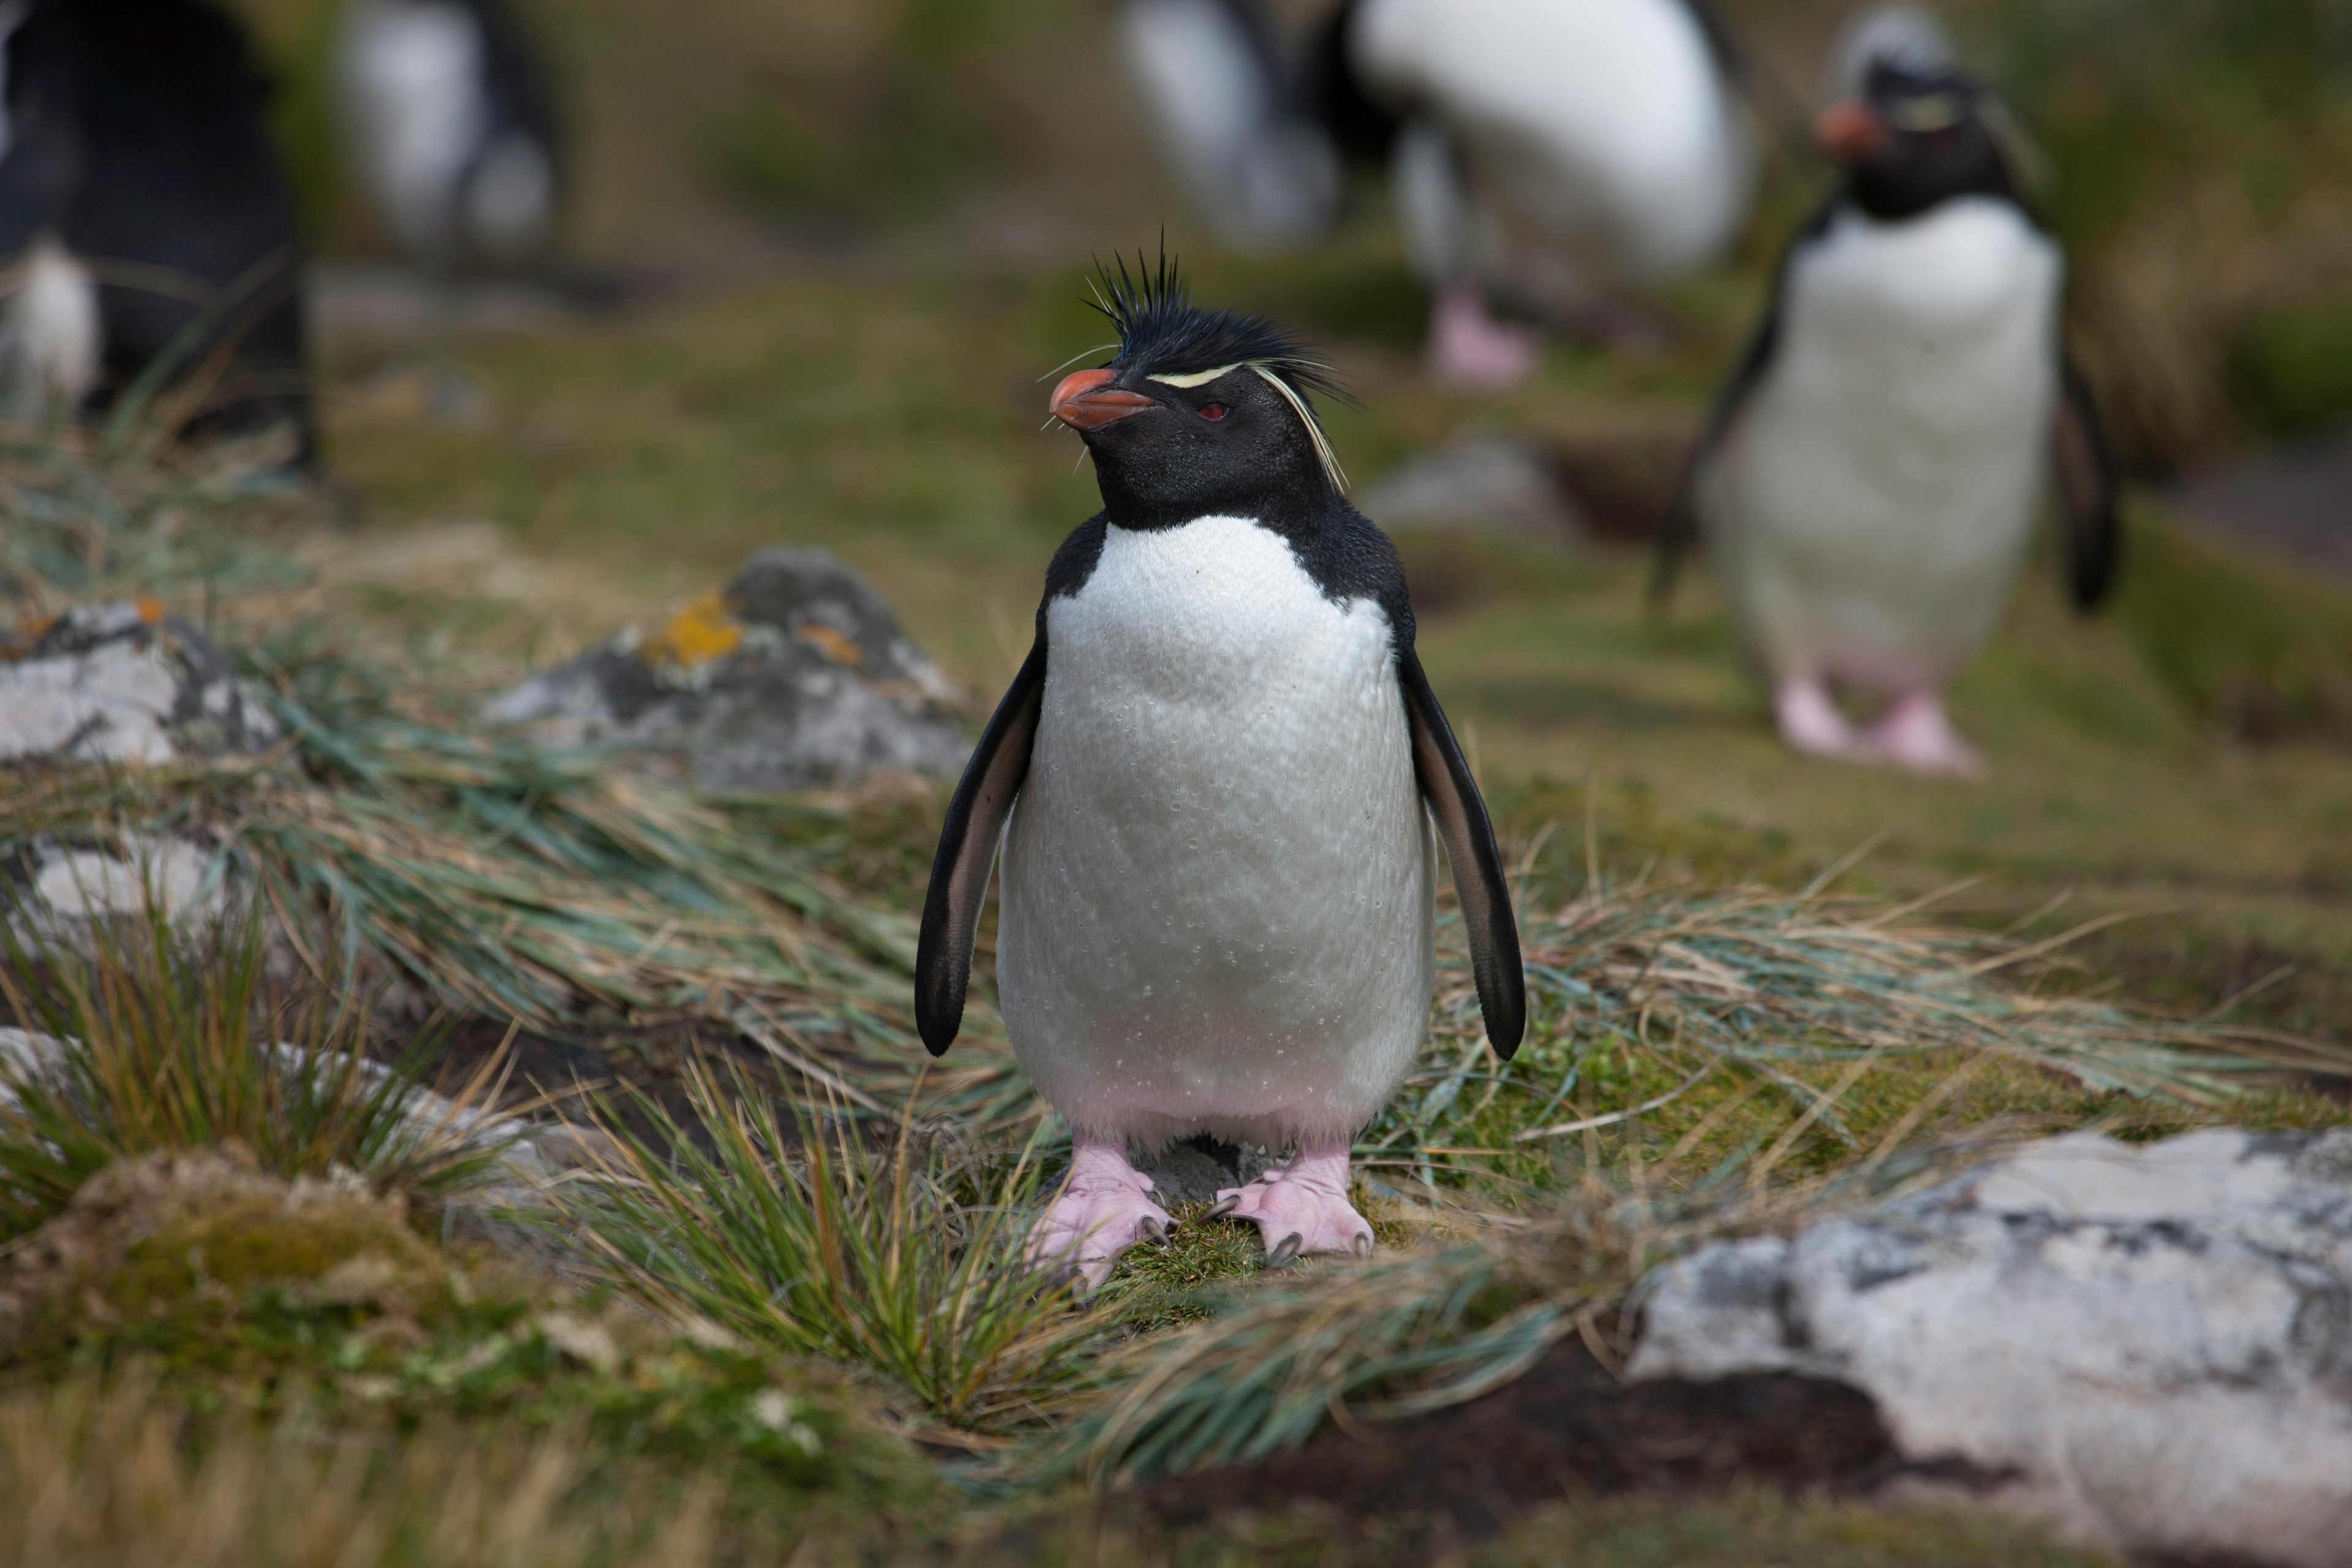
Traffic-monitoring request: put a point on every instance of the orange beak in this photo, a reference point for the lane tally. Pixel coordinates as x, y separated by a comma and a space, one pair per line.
1850, 132
1087, 401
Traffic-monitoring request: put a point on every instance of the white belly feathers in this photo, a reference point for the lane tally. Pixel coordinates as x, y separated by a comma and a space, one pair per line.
1217, 879
1603, 123
1869, 508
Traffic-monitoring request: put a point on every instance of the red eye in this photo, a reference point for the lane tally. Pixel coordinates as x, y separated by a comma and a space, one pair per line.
1212, 411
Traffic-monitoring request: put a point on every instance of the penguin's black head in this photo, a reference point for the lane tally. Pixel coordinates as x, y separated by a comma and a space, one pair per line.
1200, 412
1918, 135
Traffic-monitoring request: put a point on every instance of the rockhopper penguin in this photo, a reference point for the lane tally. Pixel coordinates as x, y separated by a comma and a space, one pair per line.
453, 127
1546, 152
1220, 764
145, 212
1867, 482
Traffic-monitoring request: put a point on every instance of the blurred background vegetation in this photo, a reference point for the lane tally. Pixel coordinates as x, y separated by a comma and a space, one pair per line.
826, 249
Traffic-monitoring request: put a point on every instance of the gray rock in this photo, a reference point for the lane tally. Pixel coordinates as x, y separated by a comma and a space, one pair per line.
2150, 1347
124, 682
798, 676
53, 889
1479, 480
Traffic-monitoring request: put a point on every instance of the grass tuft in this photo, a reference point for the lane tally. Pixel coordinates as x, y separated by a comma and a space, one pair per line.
814, 1237
167, 1042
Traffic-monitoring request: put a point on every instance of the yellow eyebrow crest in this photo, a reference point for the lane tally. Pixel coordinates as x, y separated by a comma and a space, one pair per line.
1198, 377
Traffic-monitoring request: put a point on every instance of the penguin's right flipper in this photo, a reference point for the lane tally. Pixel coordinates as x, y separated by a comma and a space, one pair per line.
976, 818
1681, 530
1469, 839
2085, 468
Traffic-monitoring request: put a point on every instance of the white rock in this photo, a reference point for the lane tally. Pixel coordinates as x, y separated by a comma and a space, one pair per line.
122, 682
2151, 1346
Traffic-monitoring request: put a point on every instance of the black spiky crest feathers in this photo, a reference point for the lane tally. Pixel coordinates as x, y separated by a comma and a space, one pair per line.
1162, 333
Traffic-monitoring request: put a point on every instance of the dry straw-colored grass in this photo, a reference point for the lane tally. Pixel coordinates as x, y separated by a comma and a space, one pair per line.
94, 1476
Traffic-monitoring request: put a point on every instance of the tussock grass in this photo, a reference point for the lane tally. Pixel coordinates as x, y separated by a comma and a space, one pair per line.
1681, 1025
491, 873
125, 508
170, 1041
899, 1255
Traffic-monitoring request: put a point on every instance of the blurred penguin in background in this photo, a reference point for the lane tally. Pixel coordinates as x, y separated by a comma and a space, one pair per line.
1867, 483
453, 130
146, 222
1544, 154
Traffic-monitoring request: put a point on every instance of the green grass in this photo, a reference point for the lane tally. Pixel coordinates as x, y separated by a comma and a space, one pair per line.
173, 1040
805, 1238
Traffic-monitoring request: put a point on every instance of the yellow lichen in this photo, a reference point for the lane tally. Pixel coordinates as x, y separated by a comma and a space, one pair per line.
831, 644
698, 635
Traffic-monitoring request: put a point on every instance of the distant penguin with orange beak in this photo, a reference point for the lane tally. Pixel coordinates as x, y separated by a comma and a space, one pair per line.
1867, 483
1213, 779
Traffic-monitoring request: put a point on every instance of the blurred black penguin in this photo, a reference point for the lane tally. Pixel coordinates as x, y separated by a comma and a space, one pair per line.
1545, 152
453, 128
141, 197
1220, 764
1867, 483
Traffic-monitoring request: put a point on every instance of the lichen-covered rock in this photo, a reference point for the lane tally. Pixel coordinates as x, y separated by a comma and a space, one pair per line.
2149, 1346
124, 682
797, 676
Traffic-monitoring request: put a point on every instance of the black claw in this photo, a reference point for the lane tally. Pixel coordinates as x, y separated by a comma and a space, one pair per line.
1223, 1207
1285, 1250
1154, 1231
1361, 1247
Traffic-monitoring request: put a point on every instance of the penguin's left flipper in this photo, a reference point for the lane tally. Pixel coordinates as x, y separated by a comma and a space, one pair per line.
976, 816
1469, 838
2085, 468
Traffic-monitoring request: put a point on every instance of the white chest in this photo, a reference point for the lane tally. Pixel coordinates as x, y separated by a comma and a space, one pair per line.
1875, 495
1217, 877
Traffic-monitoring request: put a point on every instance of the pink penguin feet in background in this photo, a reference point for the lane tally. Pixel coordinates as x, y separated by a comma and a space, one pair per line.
1916, 733
1810, 721
1301, 1207
1468, 348
1105, 1208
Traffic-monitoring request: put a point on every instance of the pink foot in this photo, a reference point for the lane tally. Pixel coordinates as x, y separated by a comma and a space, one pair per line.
1301, 1207
1916, 734
1469, 348
1810, 722
1104, 1208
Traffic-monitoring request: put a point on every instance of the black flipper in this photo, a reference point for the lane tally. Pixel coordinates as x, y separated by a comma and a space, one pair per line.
1681, 530
983, 799
1469, 840
2084, 469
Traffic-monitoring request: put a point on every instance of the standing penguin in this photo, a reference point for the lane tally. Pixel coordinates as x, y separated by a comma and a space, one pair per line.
1868, 481
144, 207
1219, 764
454, 130
1546, 152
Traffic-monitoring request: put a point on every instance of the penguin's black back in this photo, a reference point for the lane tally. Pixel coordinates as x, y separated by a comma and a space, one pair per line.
138, 136
512, 80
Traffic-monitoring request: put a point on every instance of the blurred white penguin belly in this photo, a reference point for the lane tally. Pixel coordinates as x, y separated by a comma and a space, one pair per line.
1217, 880
1869, 509
1601, 124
